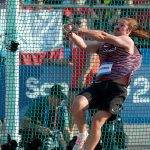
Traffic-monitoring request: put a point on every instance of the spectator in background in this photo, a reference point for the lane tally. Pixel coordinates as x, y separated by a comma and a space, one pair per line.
116, 14
72, 14
107, 17
2, 1
34, 5
101, 22
21, 2
53, 2
47, 119
30, 2
40, 3
10, 145
141, 2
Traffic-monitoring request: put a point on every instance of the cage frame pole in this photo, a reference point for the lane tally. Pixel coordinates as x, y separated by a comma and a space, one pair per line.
11, 73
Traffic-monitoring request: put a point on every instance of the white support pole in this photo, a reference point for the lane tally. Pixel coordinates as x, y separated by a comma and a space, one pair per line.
12, 73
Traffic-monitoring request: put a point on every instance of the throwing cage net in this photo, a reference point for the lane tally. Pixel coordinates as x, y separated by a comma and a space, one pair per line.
41, 72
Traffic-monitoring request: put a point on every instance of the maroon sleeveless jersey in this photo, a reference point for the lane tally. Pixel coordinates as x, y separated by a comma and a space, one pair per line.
116, 62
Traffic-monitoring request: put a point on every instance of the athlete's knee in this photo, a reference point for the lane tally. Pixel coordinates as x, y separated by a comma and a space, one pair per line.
99, 119
97, 124
79, 103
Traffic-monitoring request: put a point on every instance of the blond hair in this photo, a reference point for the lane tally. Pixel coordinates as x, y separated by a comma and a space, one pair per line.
137, 29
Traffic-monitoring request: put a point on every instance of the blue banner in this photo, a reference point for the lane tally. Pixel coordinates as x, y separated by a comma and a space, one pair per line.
137, 105
2, 89
35, 81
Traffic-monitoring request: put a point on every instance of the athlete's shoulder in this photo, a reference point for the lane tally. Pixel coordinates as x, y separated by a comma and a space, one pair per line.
127, 39
128, 43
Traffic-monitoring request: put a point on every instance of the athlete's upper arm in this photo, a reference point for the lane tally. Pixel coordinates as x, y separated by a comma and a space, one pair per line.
121, 41
93, 46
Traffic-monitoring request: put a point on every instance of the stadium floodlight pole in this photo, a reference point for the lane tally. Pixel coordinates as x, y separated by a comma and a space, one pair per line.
12, 72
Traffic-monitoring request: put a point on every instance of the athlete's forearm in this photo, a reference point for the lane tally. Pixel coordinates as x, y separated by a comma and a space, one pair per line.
77, 40
94, 34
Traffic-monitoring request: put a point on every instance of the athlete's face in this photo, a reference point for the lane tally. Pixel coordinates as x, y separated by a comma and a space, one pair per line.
122, 28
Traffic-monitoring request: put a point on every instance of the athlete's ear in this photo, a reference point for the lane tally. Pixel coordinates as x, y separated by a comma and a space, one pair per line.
129, 30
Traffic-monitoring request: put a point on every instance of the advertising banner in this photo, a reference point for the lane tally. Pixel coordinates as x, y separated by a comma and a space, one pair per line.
137, 105
36, 81
37, 30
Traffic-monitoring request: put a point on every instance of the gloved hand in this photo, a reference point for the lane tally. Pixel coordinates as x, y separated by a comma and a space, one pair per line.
70, 28
14, 46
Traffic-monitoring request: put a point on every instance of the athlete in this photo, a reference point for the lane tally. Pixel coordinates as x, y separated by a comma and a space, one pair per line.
119, 59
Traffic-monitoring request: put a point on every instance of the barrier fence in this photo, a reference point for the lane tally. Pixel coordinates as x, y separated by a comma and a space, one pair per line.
45, 58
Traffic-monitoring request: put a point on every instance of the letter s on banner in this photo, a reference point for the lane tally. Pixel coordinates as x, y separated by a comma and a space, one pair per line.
32, 89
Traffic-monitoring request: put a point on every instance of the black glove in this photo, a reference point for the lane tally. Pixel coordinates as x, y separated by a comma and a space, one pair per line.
69, 28
14, 46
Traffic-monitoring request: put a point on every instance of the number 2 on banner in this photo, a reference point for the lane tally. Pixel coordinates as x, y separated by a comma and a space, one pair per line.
141, 95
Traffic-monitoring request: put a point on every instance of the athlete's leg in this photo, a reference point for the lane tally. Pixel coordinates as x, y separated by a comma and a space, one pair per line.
95, 133
79, 106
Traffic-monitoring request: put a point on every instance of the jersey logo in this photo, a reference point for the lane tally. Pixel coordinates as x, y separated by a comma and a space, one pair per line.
104, 69
108, 48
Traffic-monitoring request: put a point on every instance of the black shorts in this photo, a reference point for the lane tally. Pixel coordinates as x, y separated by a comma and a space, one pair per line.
106, 95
